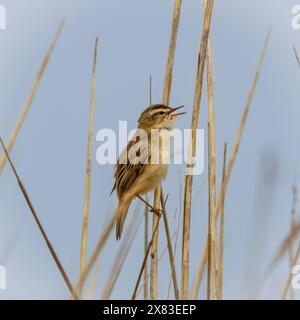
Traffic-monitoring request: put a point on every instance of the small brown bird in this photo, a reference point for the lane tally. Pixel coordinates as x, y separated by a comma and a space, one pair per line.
136, 173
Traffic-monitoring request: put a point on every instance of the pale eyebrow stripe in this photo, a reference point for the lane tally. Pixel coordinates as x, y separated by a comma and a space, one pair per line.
157, 109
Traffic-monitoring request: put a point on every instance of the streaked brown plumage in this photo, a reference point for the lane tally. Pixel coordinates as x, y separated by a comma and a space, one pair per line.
134, 178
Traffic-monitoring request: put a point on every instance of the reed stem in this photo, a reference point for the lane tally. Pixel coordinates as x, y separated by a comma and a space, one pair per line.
88, 174
31, 96
189, 177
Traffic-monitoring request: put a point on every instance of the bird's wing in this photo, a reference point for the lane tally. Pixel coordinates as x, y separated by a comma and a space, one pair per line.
130, 165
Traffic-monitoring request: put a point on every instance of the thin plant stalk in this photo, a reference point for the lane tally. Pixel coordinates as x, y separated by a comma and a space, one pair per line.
221, 232
201, 267
235, 149
170, 249
96, 252
293, 226
212, 171
88, 174
146, 214
145, 285
209, 257
290, 274
243, 123
171, 53
154, 247
99, 247
159, 259
31, 95
176, 234
175, 238
40, 227
192, 149
120, 258
165, 100
296, 56
92, 290
133, 297
208, 285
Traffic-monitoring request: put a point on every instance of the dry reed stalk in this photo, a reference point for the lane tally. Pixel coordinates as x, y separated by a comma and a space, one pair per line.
146, 214
31, 96
88, 174
121, 257
159, 259
243, 122
92, 289
189, 177
100, 244
200, 271
284, 247
286, 244
154, 247
40, 227
170, 249
234, 154
133, 297
293, 225
208, 285
290, 274
145, 284
296, 56
212, 174
176, 234
96, 252
99, 247
166, 99
221, 232
171, 52
161, 256
209, 229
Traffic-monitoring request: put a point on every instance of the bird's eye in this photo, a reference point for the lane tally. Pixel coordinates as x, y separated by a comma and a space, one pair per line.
161, 113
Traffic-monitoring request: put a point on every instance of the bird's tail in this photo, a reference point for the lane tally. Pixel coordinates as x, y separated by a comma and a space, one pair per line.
121, 216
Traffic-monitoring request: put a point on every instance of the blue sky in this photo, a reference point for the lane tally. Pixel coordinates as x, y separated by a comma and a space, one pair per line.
50, 151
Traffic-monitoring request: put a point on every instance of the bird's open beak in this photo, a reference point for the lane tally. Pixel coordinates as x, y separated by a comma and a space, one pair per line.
175, 114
